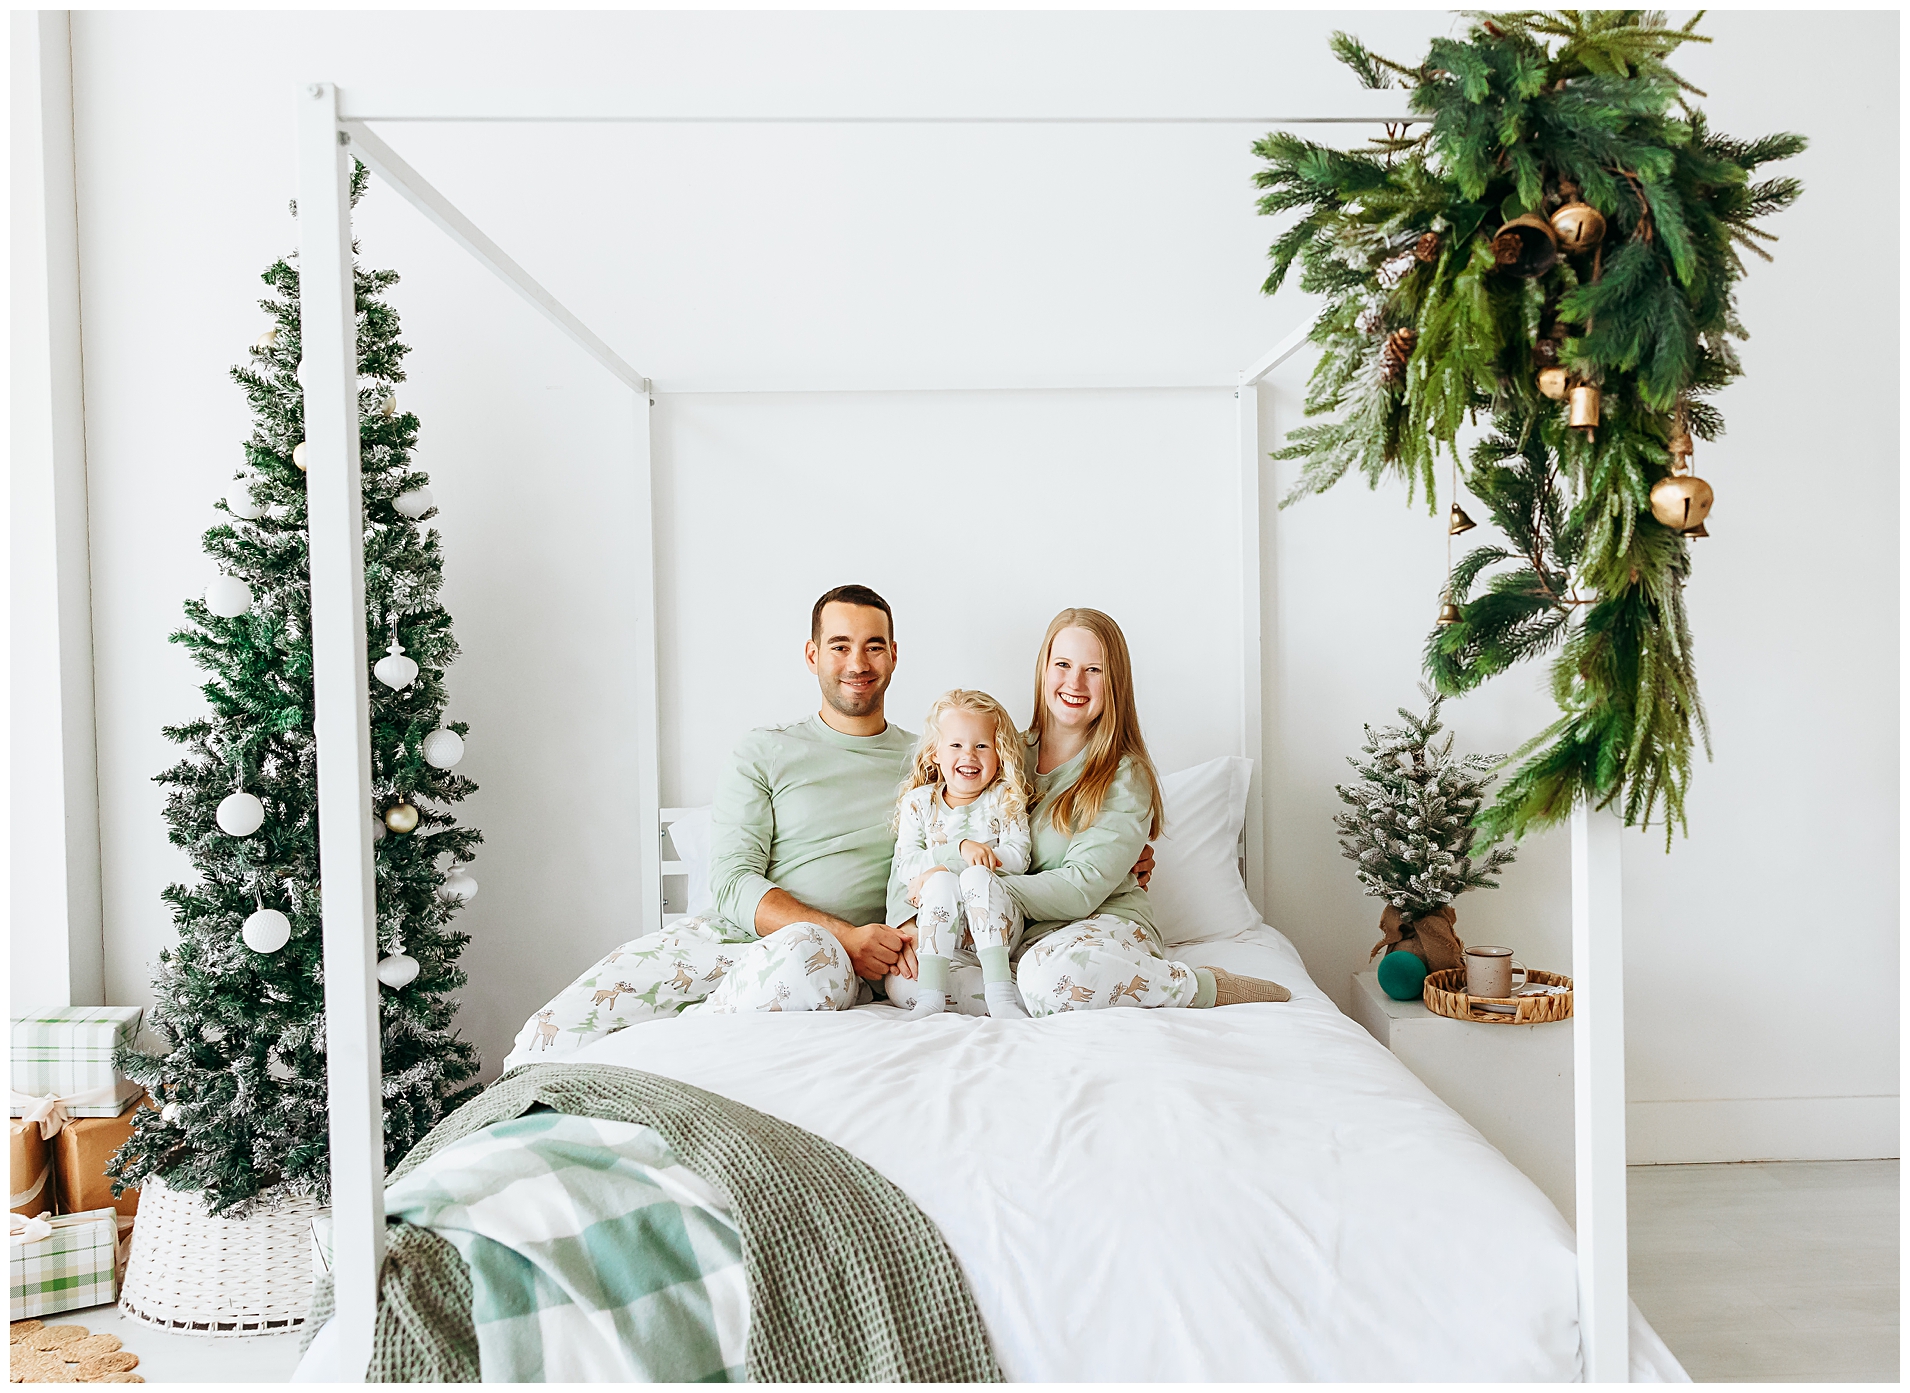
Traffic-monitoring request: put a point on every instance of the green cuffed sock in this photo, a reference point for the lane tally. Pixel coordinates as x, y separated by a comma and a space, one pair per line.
995, 964
998, 985
931, 977
1207, 989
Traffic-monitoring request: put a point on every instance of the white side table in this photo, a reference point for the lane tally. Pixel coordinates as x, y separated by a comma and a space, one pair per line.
1512, 1082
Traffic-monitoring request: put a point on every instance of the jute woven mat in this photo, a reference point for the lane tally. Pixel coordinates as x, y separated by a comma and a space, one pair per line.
42, 1353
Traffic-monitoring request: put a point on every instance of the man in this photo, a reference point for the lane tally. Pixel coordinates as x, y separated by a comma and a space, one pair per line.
799, 862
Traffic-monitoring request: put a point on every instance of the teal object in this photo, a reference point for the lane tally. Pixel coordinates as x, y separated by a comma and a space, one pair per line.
1402, 975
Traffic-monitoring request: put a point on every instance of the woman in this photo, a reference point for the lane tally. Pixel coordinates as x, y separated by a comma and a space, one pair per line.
1089, 939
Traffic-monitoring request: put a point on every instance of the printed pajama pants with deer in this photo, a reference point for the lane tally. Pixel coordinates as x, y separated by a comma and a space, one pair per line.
1101, 962
958, 915
703, 964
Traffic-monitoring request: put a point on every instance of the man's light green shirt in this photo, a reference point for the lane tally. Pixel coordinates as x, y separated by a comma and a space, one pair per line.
806, 809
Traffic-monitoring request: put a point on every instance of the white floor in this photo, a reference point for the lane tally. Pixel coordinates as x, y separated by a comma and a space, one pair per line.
1770, 1271
1765, 1272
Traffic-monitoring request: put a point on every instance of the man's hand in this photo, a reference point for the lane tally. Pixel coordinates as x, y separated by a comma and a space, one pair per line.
1144, 868
980, 854
874, 950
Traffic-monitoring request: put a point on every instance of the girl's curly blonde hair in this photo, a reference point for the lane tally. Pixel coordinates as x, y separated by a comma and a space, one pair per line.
1016, 776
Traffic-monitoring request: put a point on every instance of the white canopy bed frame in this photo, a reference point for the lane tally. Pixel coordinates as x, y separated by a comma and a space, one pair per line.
332, 127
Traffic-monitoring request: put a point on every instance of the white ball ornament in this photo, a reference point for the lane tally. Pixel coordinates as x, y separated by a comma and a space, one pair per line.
169, 1113
298, 454
266, 340
398, 970
241, 504
228, 597
395, 669
389, 406
266, 931
414, 503
459, 887
240, 815
299, 372
443, 748
377, 829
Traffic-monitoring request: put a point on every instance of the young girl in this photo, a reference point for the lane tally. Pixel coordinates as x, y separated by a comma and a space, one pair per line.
963, 816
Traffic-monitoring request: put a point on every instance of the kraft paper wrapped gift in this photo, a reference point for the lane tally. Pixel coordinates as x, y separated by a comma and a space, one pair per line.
65, 1263
80, 1153
62, 1059
29, 1170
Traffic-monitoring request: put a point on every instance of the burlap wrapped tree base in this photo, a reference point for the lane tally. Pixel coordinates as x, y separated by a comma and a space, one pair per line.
1433, 936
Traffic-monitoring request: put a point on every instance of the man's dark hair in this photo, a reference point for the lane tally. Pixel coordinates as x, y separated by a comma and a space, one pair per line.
849, 595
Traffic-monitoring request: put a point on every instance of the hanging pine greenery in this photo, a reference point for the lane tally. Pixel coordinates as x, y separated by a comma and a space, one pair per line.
1554, 248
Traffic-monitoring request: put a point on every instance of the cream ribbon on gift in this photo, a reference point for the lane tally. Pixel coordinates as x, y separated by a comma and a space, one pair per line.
29, 1230
49, 1110
32, 1192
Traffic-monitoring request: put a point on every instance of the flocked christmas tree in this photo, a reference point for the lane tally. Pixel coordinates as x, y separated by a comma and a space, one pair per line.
1410, 831
241, 1089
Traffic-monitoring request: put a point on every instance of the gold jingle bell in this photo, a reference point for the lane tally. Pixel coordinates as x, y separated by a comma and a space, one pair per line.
1682, 503
1554, 382
401, 817
1583, 407
1526, 246
1578, 226
1459, 522
1448, 614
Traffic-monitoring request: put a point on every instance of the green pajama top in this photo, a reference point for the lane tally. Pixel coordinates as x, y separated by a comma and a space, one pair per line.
1092, 871
805, 808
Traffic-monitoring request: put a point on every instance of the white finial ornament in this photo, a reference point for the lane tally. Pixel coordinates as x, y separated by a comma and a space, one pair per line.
240, 814
442, 749
398, 970
228, 597
395, 669
414, 503
459, 887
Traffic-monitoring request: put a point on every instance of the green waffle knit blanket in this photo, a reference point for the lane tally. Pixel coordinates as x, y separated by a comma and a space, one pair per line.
847, 1280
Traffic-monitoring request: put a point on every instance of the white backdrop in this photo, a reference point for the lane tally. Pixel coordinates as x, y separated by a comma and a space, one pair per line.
831, 258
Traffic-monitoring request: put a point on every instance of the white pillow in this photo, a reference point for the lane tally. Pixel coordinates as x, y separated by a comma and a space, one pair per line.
690, 835
1197, 892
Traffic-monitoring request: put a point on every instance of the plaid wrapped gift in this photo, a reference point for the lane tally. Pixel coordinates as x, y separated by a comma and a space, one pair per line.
62, 1264
67, 1053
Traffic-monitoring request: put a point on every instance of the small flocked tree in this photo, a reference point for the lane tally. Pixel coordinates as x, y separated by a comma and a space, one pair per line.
241, 1088
1410, 831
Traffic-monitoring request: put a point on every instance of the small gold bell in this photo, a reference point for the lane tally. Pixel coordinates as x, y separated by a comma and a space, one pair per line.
1554, 382
1448, 613
1459, 522
1578, 226
1526, 246
1682, 503
1584, 407
401, 817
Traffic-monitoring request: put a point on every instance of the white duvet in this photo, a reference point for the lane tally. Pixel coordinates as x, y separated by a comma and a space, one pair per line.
1257, 1192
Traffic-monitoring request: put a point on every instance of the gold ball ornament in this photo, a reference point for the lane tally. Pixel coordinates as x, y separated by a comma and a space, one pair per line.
1682, 503
401, 818
1578, 226
1554, 382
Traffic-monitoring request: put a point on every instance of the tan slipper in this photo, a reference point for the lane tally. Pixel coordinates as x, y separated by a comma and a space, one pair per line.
1233, 990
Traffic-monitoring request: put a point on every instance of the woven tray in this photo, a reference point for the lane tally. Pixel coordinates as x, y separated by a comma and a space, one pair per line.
1445, 995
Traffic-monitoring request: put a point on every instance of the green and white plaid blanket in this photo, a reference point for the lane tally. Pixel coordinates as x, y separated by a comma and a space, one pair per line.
594, 1255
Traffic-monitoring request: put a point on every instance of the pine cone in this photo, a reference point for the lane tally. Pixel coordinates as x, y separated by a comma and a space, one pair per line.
1399, 347
1546, 352
1506, 248
1427, 247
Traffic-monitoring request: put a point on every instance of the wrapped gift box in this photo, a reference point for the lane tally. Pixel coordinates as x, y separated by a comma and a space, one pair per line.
68, 1053
64, 1263
80, 1154
29, 1170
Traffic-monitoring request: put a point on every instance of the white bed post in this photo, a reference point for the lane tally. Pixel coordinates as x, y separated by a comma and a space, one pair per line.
1253, 831
328, 332
1598, 1055
649, 695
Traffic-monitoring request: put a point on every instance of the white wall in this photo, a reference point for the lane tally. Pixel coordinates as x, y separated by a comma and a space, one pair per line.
725, 258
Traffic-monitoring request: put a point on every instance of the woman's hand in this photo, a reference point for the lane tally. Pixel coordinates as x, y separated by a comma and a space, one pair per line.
1144, 868
978, 854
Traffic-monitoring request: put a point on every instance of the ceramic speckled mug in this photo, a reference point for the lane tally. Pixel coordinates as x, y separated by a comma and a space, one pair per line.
1489, 971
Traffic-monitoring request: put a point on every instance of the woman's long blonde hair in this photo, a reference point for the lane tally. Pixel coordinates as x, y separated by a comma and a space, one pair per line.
1116, 734
1016, 777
